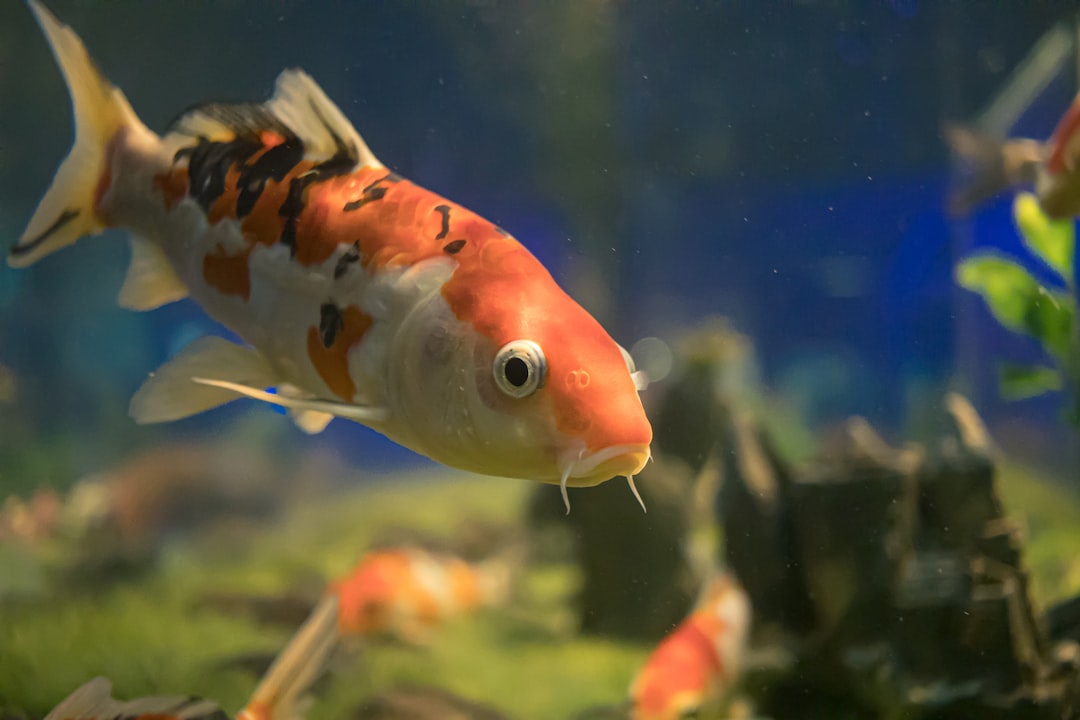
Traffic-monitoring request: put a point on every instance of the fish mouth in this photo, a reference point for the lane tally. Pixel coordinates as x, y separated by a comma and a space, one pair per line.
595, 467
581, 469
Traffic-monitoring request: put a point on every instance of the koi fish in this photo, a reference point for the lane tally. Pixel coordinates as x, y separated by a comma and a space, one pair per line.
1052, 167
358, 293
696, 665
408, 592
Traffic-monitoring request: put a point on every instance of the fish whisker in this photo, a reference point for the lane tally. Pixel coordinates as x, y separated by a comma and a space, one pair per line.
562, 487
633, 489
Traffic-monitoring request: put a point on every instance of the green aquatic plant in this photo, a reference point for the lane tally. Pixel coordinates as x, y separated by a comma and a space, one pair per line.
1022, 304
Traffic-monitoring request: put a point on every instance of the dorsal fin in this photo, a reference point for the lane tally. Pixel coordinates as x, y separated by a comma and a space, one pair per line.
299, 108
219, 121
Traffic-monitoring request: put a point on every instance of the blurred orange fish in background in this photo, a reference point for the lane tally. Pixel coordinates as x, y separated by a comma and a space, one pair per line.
408, 592
694, 668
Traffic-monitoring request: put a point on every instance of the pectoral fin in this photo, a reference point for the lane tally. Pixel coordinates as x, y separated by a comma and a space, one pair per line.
151, 282
309, 408
310, 421
170, 393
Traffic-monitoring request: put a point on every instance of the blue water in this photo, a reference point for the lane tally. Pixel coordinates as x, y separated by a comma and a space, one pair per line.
779, 165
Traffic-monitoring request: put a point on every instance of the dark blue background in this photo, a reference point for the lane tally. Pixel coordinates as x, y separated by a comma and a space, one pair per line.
697, 159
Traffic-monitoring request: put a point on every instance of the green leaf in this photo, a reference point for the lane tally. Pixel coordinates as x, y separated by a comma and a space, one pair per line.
1052, 241
1018, 301
1019, 382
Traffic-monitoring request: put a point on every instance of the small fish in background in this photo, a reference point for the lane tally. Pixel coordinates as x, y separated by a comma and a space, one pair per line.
94, 701
696, 666
407, 592
994, 166
360, 294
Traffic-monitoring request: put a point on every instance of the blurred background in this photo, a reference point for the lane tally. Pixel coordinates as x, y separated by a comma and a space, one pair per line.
780, 166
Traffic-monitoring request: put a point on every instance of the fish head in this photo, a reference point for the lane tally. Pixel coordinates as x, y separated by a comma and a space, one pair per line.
508, 376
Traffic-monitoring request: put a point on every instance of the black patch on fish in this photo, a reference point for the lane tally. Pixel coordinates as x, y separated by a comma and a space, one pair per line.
338, 165
65, 217
331, 323
350, 256
209, 163
374, 191
445, 210
453, 247
274, 164
370, 195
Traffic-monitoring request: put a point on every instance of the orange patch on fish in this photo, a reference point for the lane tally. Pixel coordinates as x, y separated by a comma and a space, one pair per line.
332, 363
683, 665
271, 138
390, 219
225, 204
229, 274
173, 186
264, 224
366, 596
463, 584
255, 710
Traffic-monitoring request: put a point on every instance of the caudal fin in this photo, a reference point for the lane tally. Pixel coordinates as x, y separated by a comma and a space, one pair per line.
68, 210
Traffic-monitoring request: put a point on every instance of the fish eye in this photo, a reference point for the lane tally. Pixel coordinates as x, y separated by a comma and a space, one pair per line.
520, 368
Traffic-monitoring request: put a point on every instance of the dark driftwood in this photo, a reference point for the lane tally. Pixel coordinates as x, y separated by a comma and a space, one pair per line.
895, 580
637, 582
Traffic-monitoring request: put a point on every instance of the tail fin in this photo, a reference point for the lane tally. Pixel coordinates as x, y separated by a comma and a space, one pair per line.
67, 212
279, 695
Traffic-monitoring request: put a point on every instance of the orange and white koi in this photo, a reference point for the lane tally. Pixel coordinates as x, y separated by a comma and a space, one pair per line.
408, 592
696, 665
360, 294
1052, 167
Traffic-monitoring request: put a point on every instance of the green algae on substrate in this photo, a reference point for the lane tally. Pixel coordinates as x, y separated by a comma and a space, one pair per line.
1049, 515
151, 637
